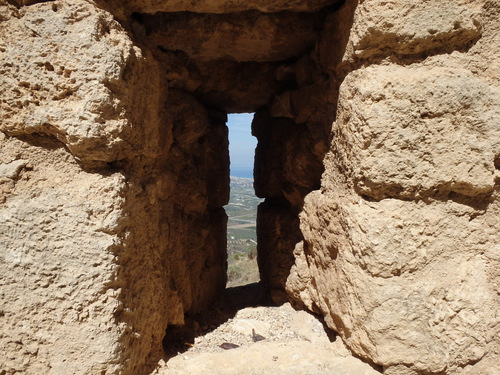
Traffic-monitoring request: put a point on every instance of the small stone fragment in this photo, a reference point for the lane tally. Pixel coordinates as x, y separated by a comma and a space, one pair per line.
12, 169
228, 345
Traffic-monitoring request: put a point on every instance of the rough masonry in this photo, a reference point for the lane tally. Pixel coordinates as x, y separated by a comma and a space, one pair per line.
378, 158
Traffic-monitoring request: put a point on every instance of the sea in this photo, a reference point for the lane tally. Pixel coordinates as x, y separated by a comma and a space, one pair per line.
244, 173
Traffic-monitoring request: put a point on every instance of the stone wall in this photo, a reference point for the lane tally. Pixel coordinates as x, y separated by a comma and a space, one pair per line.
112, 225
285, 172
378, 128
401, 245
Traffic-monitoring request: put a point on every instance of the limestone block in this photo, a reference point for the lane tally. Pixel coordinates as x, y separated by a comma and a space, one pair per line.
238, 87
299, 282
412, 27
286, 169
193, 185
58, 230
92, 275
287, 158
248, 36
404, 282
224, 6
401, 241
278, 232
65, 71
416, 132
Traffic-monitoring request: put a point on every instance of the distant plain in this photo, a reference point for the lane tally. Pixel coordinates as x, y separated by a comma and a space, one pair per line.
241, 233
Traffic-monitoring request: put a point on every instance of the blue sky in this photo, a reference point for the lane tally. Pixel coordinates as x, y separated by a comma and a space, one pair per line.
241, 144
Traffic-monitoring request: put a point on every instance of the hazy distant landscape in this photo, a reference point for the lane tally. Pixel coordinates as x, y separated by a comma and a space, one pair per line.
241, 236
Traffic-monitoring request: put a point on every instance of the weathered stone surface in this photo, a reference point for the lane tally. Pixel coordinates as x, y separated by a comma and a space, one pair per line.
278, 231
235, 62
408, 28
401, 264
67, 245
58, 229
396, 279
405, 132
223, 6
112, 222
227, 85
70, 77
193, 189
287, 162
113, 165
248, 36
287, 167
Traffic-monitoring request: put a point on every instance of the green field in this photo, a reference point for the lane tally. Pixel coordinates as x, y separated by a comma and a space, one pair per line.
241, 236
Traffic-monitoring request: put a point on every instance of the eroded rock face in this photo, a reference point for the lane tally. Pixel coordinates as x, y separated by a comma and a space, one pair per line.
400, 144
114, 171
59, 229
112, 226
286, 170
224, 6
400, 244
405, 28
61, 76
235, 37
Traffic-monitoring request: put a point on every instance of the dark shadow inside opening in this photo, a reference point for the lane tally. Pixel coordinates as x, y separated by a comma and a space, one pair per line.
179, 339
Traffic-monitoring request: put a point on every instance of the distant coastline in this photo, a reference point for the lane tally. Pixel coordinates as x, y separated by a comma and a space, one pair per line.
242, 173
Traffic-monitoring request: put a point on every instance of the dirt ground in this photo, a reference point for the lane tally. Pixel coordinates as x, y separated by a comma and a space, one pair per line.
244, 334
